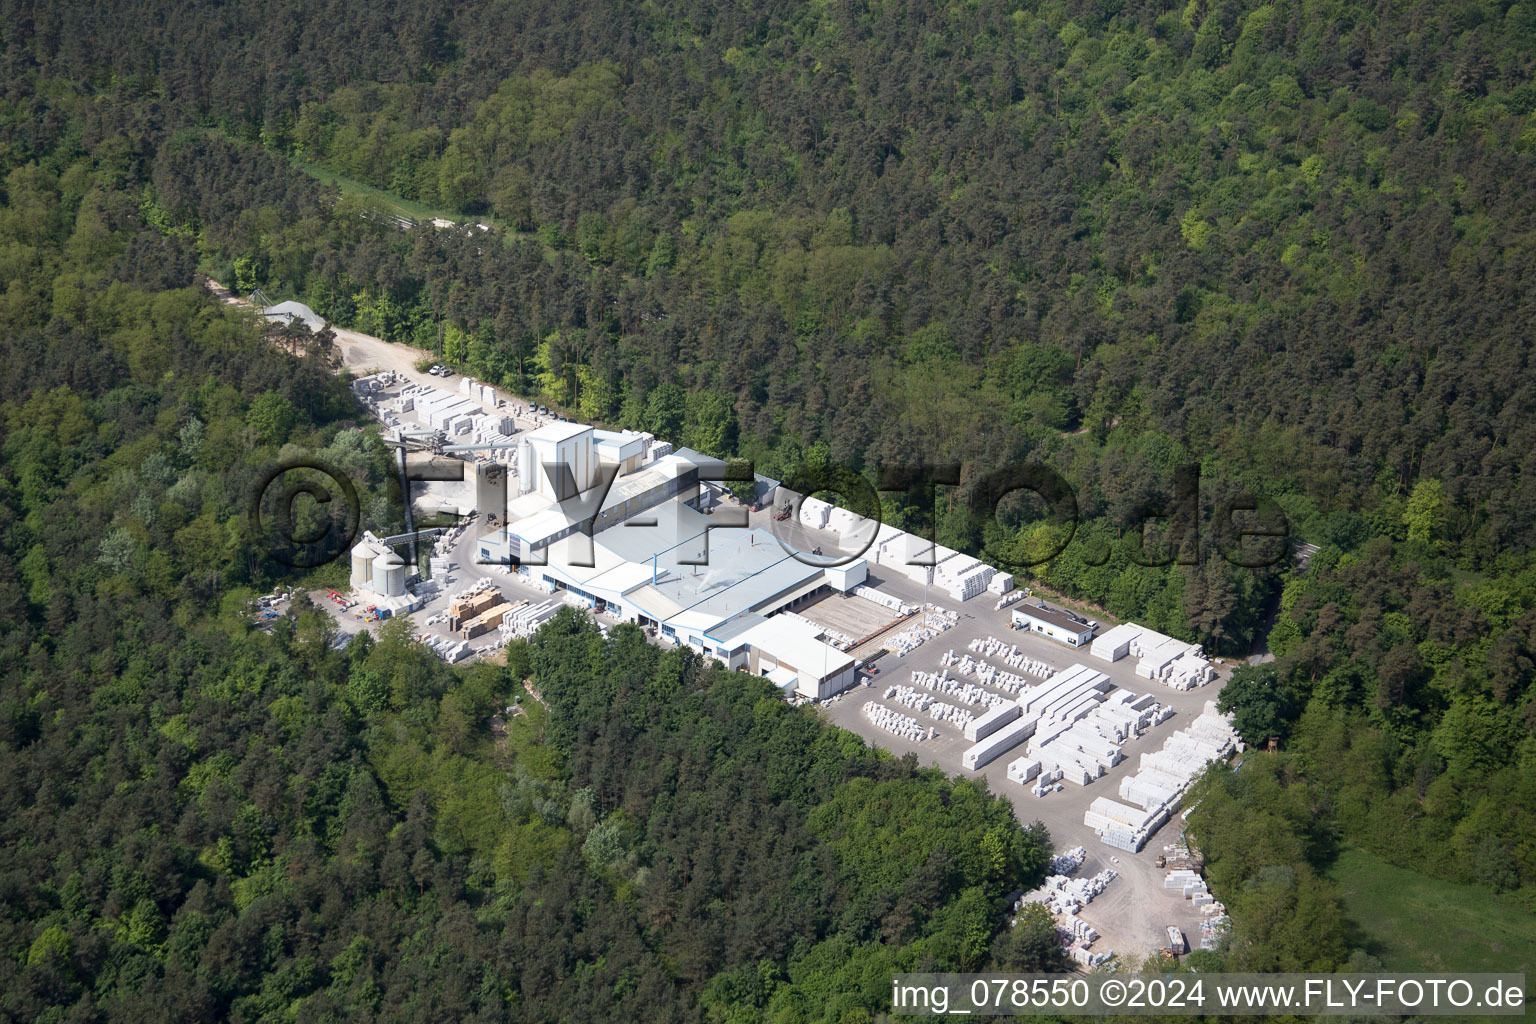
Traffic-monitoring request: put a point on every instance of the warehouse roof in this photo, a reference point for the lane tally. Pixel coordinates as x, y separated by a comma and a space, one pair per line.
558, 431
1052, 617
746, 568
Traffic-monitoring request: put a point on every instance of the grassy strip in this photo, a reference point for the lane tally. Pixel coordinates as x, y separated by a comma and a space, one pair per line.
1416, 923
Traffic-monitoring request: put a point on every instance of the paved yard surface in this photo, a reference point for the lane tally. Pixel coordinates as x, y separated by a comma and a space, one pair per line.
855, 617
1133, 913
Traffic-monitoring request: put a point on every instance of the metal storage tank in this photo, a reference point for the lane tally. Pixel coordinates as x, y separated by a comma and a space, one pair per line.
363, 556
389, 575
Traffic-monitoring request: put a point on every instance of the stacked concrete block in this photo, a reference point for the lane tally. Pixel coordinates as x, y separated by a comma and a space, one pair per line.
1023, 770
896, 723
1000, 742
814, 513
992, 721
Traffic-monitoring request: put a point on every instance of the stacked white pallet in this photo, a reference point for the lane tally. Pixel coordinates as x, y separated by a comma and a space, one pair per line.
974, 583
466, 384
489, 397
963, 576
987, 724
1072, 770
1115, 643
1080, 931
963, 664
895, 604
1122, 826
403, 404
523, 621
1048, 782
896, 723
1000, 742
1006, 681
814, 513
1152, 788
496, 438
1010, 655
1068, 861
1118, 722
1023, 770
1001, 583
949, 713
1186, 753
1065, 895
1156, 659
1081, 754
1188, 671
440, 414
1078, 707
454, 650
1085, 738
967, 693
660, 450
1012, 597
907, 697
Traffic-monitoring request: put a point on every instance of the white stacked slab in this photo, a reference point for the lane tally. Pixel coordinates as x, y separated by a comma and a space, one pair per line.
1023, 770
1071, 681
1116, 643
1122, 826
1165, 774
1000, 742
896, 723
992, 721
814, 513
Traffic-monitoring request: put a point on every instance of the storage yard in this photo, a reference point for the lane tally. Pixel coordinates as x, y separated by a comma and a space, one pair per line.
1133, 913
1095, 732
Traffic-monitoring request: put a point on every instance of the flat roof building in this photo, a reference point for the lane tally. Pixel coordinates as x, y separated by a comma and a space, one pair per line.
1060, 626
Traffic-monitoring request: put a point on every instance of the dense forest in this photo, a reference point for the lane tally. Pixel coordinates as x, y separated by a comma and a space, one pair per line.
205, 820
1288, 243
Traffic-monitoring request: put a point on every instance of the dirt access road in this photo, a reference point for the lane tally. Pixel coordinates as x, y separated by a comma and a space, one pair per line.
360, 352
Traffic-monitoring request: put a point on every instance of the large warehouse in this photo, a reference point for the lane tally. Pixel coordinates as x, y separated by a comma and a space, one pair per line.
655, 560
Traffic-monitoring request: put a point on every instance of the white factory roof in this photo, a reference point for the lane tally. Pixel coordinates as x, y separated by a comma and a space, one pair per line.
625, 443
746, 568
668, 526
796, 643
536, 517
557, 432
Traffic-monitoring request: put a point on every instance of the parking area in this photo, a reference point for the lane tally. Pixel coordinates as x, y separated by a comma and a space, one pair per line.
1133, 914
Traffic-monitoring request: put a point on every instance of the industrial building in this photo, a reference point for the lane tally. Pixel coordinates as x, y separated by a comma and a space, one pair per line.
647, 555
1063, 627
